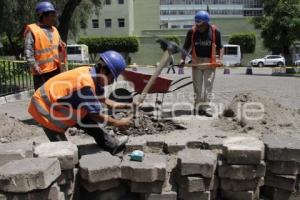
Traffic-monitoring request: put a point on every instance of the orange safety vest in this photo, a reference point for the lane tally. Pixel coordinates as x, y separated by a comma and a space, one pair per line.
213, 45
45, 108
45, 53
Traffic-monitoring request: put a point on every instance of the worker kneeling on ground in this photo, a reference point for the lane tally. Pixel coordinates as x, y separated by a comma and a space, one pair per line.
73, 99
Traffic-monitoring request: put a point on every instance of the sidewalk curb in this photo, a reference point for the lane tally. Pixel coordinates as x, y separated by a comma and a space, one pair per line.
25, 95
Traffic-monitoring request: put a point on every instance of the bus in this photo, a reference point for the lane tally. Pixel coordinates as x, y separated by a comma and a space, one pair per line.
78, 53
232, 55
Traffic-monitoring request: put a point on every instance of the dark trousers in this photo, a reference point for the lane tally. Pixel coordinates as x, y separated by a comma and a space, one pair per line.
39, 80
102, 138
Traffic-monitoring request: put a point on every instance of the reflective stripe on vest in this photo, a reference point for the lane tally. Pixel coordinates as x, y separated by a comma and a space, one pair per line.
45, 106
213, 45
60, 109
46, 52
46, 114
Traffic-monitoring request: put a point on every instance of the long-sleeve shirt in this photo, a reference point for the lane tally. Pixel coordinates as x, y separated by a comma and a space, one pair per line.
202, 42
29, 43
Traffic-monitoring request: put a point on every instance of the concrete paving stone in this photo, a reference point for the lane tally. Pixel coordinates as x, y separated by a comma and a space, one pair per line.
88, 149
155, 145
149, 187
51, 193
163, 196
99, 167
15, 151
275, 193
112, 194
100, 186
212, 142
132, 145
29, 174
182, 195
66, 152
283, 167
66, 175
243, 150
285, 182
196, 144
171, 147
282, 148
241, 172
197, 184
240, 195
197, 162
153, 168
241, 185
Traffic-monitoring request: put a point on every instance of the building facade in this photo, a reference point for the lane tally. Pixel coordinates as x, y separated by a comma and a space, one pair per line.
180, 13
124, 18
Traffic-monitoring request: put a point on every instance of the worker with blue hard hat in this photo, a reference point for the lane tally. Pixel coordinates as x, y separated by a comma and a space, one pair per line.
204, 43
75, 99
44, 50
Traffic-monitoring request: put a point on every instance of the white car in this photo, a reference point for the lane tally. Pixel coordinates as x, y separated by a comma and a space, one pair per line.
297, 62
269, 60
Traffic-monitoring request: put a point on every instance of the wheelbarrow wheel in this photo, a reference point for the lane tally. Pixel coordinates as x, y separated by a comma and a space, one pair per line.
121, 95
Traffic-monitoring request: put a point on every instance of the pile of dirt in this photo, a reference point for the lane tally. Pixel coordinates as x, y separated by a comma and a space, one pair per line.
249, 112
13, 129
147, 125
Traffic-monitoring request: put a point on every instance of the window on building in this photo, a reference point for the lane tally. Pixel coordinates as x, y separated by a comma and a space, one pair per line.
108, 2
95, 23
108, 23
121, 1
121, 22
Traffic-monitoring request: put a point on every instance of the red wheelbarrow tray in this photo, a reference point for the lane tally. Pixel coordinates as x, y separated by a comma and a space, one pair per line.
161, 85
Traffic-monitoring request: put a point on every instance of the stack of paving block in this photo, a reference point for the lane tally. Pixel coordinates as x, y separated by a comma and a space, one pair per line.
196, 174
100, 177
283, 165
31, 179
242, 169
67, 154
147, 178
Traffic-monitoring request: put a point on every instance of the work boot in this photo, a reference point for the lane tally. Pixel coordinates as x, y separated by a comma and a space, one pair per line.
121, 145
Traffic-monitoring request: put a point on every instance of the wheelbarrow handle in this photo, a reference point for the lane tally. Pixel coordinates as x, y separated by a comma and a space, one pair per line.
179, 80
182, 86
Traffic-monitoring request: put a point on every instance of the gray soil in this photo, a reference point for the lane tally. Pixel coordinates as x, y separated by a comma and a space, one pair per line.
13, 129
274, 118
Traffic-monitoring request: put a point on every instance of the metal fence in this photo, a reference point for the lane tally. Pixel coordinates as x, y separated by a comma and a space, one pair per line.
14, 77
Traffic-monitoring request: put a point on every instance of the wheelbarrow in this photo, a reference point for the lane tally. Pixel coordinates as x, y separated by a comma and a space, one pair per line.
139, 80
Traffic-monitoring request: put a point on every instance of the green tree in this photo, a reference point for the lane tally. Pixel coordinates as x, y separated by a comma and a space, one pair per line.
280, 25
246, 41
73, 14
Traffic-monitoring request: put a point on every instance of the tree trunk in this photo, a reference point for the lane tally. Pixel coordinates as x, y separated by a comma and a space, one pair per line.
65, 19
12, 44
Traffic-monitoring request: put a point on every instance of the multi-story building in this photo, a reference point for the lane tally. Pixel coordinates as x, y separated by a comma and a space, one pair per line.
124, 17
180, 13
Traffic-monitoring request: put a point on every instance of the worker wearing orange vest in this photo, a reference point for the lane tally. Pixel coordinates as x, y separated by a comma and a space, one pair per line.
75, 98
204, 42
44, 50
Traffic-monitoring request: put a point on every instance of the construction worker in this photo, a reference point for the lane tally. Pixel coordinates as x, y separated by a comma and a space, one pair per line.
75, 98
204, 42
43, 45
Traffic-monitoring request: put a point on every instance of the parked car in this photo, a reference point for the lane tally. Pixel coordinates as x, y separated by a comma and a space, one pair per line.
269, 60
297, 62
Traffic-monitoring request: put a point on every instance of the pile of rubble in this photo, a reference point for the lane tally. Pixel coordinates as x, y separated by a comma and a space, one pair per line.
236, 170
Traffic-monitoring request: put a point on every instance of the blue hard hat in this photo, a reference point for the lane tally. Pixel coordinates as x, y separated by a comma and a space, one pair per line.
114, 61
202, 16
44, 6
